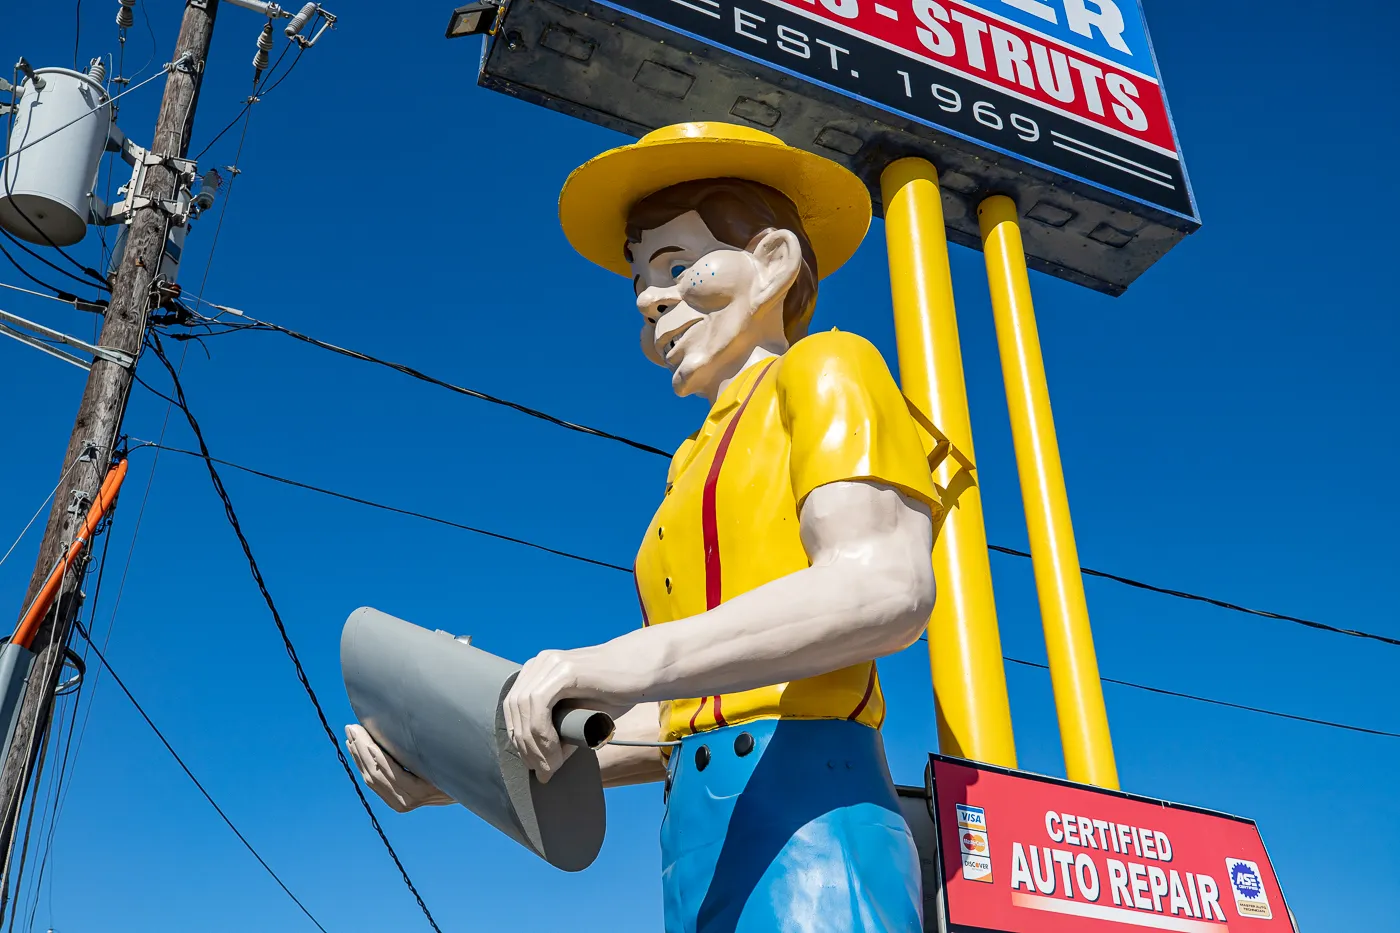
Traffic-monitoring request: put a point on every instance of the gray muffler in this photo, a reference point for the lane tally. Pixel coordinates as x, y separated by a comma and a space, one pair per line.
434, 703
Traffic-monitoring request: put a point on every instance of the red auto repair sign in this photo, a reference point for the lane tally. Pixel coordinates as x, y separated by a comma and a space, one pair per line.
1022, 853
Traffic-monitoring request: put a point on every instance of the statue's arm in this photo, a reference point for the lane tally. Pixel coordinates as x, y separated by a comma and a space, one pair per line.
868, 593
622, 764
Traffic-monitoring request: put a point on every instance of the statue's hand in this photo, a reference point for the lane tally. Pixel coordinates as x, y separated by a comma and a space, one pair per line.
383, 775
547, 678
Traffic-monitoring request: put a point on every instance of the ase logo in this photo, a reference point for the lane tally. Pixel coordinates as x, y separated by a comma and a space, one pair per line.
1251, 900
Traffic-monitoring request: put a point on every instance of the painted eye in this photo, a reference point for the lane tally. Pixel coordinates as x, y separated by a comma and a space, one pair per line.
676, 270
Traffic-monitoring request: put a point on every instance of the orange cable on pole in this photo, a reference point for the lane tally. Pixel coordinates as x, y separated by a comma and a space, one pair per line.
24, 634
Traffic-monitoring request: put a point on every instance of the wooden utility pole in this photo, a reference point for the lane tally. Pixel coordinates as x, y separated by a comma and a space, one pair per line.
98, 424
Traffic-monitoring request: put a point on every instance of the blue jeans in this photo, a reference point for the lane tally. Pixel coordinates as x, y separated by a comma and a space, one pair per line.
802, 834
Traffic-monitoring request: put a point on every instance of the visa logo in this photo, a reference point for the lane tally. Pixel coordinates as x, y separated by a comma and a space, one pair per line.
971, 817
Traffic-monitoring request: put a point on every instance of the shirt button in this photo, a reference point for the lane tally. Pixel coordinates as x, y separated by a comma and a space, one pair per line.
668, 584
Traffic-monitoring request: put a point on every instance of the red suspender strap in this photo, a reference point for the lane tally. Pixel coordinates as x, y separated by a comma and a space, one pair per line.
696, 715
869, 689
709, 521
640, 602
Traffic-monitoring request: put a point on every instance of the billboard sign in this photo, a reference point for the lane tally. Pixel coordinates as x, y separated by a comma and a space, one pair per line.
1056, 103
1022, 853
1069, 84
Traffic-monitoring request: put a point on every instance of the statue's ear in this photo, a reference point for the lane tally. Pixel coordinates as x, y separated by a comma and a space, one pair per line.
779, 258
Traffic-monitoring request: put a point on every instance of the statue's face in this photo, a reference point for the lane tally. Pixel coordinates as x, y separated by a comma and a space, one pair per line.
705, 304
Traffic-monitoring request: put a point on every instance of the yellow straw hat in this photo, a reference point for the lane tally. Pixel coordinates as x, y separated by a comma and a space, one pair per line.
833, 203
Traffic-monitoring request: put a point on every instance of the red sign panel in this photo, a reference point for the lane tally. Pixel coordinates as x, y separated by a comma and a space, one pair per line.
998, 52
1022, 853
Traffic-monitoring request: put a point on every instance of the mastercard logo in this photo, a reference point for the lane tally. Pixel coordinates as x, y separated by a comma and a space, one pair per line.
973, 844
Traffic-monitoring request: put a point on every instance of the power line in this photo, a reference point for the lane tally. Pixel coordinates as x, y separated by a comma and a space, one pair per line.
1181, 594
1213, 702
256, 324
389, 508
301, 49
151, 31
1089, 571
190, 774
35, 756
150, 480
60, 293
1200, 699
611, 566
55, 782
91, 691
253, 568
77, 31
97, 280
38, 777
42, 505
253, 98
63, 297
58, 783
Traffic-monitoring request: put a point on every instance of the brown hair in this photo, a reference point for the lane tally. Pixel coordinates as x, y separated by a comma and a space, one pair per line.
737, 212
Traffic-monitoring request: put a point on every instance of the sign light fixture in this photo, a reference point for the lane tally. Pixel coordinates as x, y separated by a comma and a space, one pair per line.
474, 19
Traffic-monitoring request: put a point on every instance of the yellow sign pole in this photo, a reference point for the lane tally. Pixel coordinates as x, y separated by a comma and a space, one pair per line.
969, 681
1074, 669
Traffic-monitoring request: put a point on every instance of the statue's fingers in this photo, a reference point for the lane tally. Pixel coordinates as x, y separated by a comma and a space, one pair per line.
355, 757
359, 752
387, 769
547, 741
549, 744
531, 752
525, 738
510, 708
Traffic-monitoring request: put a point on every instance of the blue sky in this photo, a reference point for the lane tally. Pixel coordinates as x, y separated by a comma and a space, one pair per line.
1226, 426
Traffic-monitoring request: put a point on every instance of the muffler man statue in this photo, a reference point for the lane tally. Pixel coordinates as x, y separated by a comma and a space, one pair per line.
791, 548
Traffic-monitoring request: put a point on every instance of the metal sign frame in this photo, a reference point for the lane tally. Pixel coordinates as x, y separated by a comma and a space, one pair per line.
618, 64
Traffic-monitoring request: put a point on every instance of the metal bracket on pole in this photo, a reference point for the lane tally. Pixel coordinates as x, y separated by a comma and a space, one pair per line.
42, 347
328, 21
107, 354
140, 160
187, 63
270, 10
298, 20
79, 503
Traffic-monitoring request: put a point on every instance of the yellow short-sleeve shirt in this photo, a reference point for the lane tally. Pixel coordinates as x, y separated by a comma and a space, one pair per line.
826, 411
